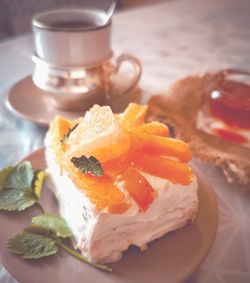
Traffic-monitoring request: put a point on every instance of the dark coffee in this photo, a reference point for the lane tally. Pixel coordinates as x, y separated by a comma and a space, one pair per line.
72, 24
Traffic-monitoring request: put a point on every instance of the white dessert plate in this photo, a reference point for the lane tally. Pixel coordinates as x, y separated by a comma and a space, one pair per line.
172, 258
29, 102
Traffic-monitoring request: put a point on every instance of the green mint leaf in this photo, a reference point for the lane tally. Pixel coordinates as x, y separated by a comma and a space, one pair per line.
53, 223
36, 229
31, 245
66, 136
20, 186
12, 199
88, 165
4, 173
21, 177
37, 183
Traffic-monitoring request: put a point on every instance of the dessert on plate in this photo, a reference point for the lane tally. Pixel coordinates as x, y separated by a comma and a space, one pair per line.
118, 180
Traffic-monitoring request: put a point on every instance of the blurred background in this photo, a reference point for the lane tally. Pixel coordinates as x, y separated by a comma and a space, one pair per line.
15, 15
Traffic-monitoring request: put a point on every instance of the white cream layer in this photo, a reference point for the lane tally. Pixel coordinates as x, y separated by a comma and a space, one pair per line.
103, 236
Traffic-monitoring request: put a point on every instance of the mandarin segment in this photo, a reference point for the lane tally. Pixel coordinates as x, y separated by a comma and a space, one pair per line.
138, 187
107, 196
133, 115
113, 168
175, 171
58, 129
113, 150
156, 145
100, 190
152, 128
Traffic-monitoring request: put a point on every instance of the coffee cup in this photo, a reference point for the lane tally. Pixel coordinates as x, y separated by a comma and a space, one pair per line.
73, 58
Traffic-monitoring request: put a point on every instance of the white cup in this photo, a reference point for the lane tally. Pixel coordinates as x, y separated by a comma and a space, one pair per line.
71, 38
74, 61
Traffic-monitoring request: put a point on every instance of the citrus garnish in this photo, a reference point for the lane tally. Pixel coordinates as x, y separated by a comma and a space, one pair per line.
122, 146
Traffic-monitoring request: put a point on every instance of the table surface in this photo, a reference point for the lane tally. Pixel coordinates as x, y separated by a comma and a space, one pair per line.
172, 40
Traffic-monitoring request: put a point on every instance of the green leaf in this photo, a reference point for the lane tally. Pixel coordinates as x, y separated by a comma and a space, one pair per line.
66, 136
88, 165
36, 229
32, 246
20, 186
12, 199
53, 223
38, 182
4, 173
21, 177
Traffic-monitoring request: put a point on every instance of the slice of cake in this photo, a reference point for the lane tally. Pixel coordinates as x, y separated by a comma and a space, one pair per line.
119, 181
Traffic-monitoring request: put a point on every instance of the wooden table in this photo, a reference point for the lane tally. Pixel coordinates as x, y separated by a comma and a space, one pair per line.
172, 40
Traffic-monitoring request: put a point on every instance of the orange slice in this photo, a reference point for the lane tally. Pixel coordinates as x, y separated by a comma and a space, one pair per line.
157, 145
112, 150
59, 127
100, 190
107, 196
152, 128
100, 135
113, 168
174, 171
133, 115
138, 187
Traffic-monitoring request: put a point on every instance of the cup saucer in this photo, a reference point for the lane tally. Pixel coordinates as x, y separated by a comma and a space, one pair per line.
29, 102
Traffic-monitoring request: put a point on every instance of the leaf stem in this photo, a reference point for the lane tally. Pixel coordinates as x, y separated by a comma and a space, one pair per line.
81, 257
40, 206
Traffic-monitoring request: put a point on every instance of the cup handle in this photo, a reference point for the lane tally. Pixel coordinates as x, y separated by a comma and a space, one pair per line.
137, 74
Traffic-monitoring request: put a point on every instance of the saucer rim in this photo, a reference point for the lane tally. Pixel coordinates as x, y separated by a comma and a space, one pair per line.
39, 121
